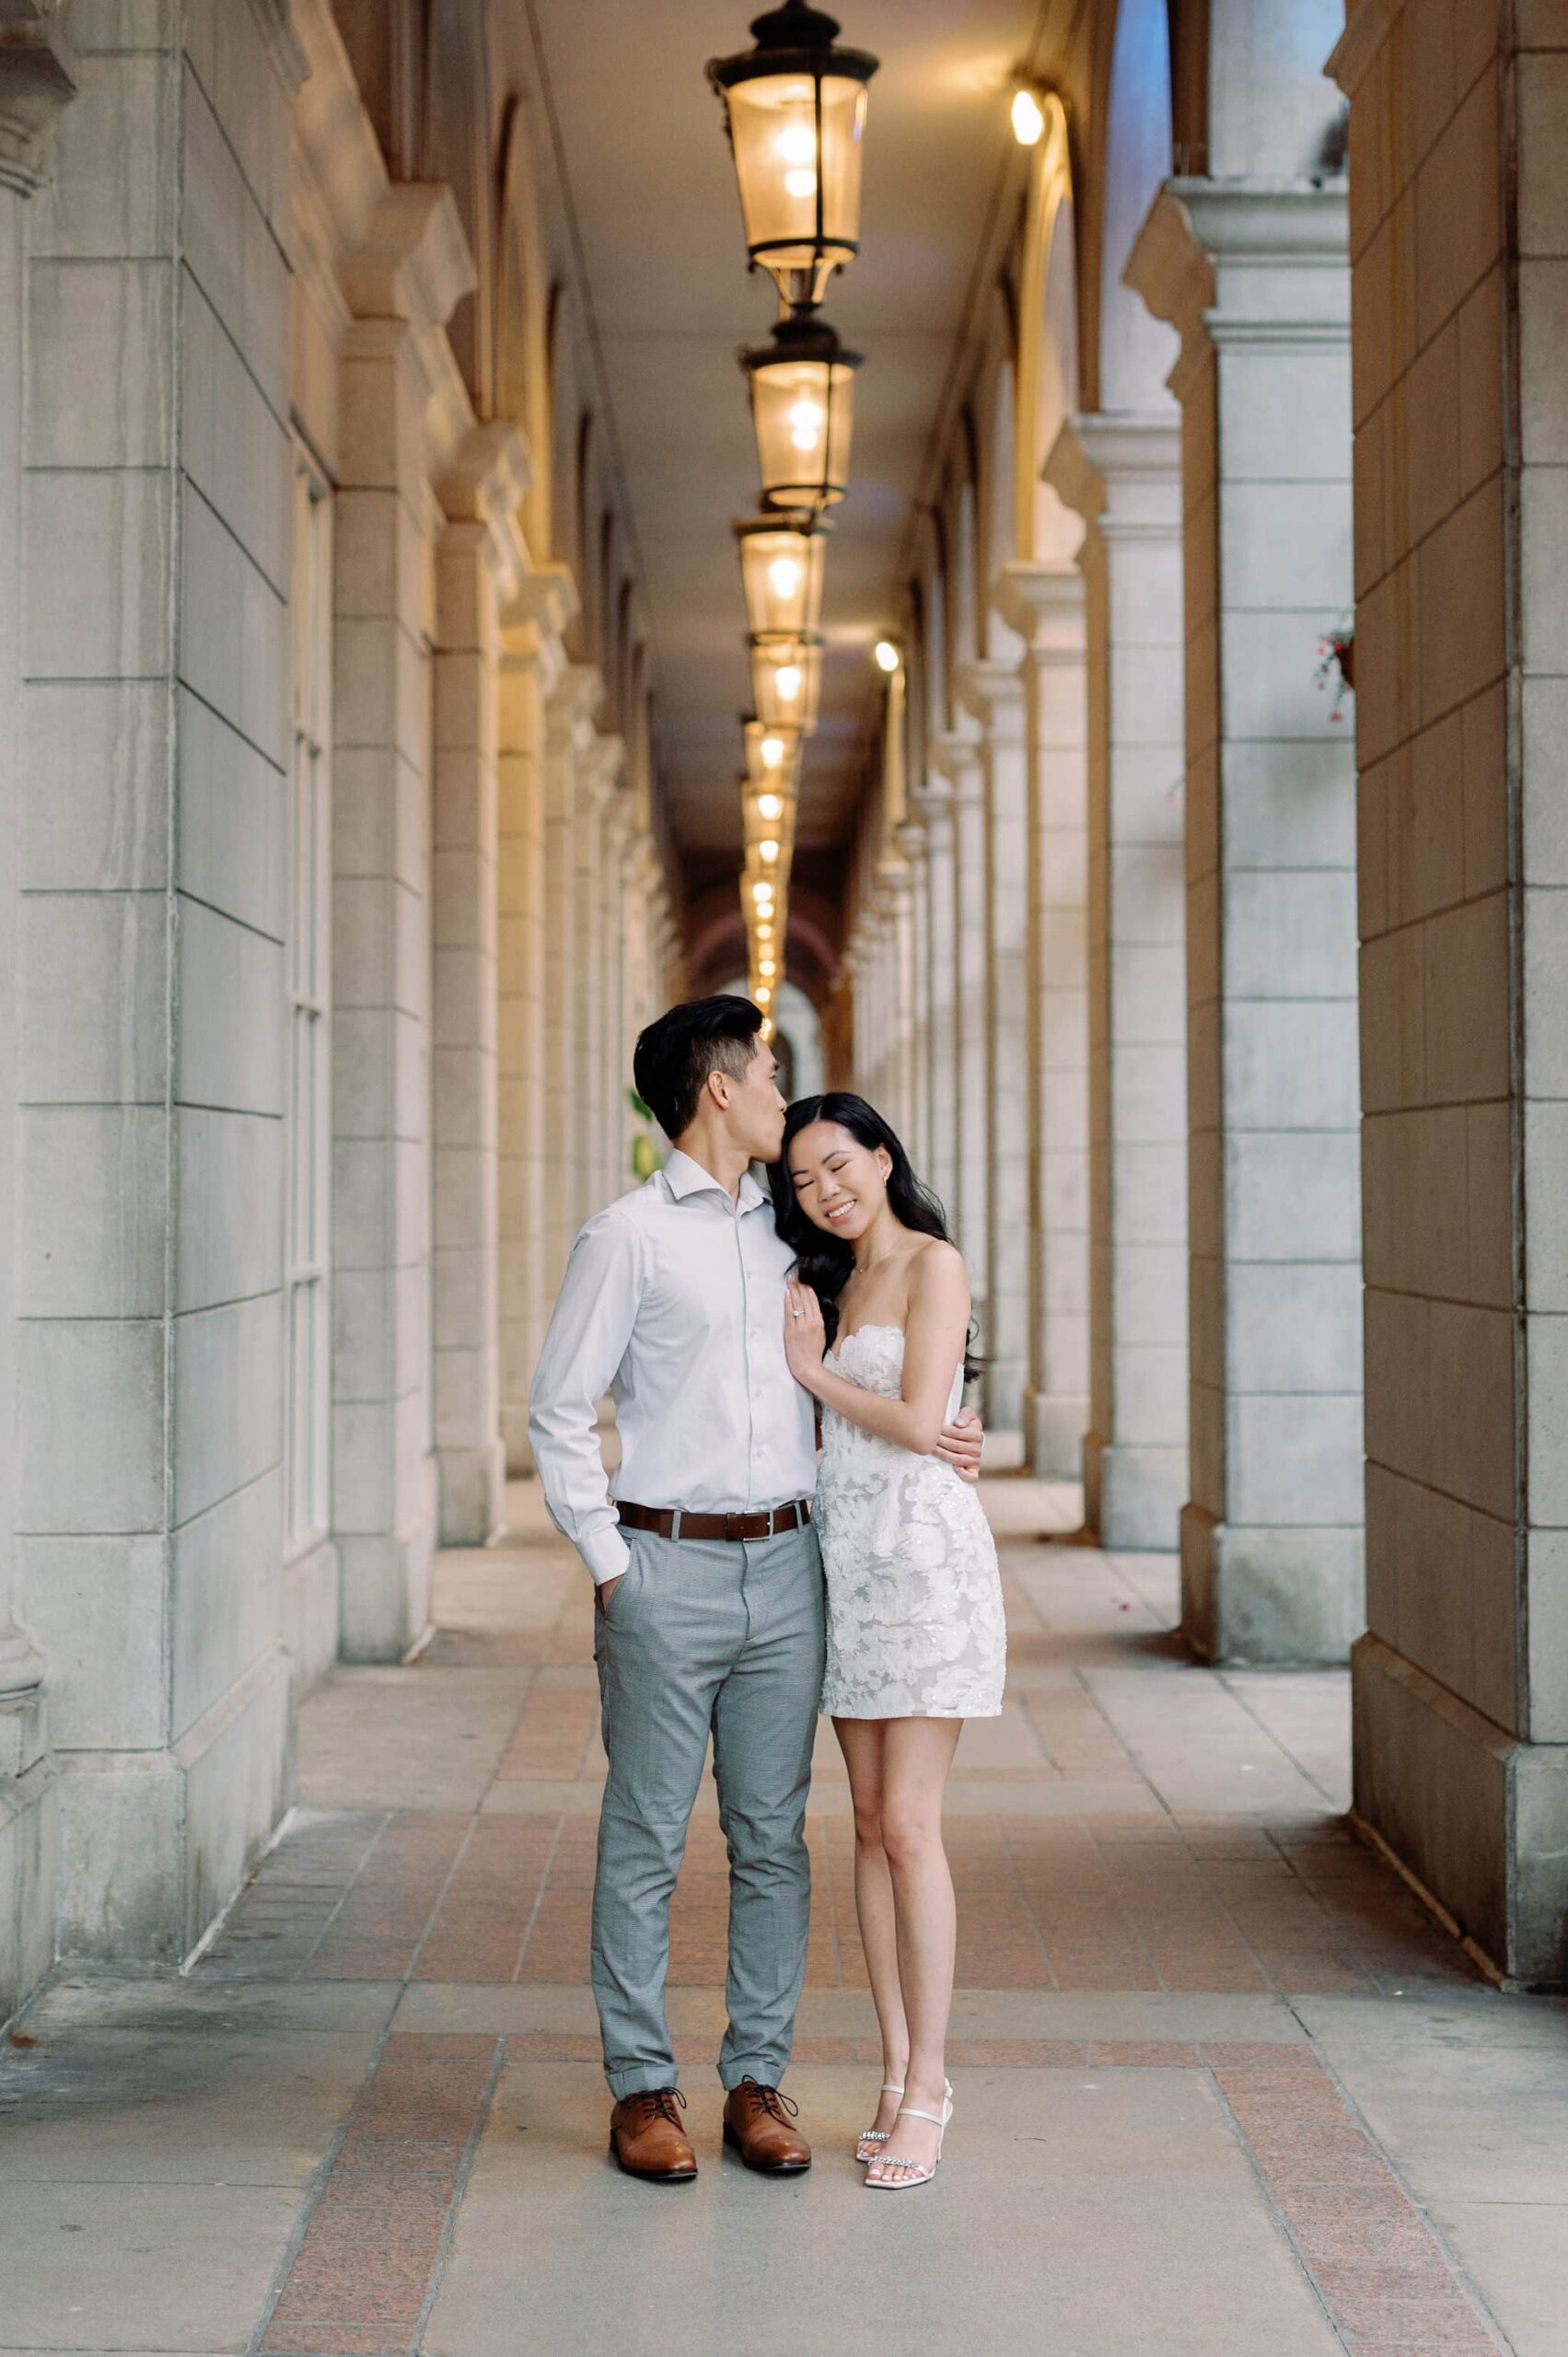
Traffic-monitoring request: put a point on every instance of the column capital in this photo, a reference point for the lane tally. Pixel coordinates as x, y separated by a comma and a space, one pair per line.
1121, 473
38, 78
480, 487
1045, 605
911, 839
1245, 262
993, 691
569, 716
958, 761
21, 1665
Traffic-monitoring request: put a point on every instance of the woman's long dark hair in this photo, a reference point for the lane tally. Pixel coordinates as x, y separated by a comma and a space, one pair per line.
822, 1261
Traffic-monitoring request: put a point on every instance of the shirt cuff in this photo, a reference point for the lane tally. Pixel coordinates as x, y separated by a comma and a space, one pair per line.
604, 1552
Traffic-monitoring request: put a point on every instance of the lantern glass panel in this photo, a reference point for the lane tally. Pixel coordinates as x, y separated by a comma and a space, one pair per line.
778, 160
786, 682
803, 411
781, 571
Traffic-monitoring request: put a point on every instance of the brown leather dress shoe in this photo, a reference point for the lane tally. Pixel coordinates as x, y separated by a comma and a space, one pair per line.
647, 2140
757, 2122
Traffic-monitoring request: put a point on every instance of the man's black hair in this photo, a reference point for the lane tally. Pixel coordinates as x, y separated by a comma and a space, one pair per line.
675, 1054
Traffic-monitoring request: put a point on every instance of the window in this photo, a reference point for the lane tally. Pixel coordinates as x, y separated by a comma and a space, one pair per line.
308, 1176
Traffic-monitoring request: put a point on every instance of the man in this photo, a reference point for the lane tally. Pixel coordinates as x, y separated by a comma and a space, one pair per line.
709, 1586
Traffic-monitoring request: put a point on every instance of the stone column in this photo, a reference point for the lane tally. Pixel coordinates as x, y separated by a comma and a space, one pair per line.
478, 565
37, 79
384, 1501
1045, 604
1122, 475
1460, 245
933, 803
153, 794
917, 932
568, 737
957, 758
994, 693
1252, 273
615, 845
530, 665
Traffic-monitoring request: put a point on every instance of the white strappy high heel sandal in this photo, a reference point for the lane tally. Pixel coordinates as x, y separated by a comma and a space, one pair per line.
876, 2135
921, 2173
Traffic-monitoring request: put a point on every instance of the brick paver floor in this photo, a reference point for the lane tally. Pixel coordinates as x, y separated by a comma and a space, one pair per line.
1224, 2089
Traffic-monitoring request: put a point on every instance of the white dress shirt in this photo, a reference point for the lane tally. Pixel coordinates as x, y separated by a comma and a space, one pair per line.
673, 1301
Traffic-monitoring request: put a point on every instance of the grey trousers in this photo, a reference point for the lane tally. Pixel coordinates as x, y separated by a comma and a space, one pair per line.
699, 1637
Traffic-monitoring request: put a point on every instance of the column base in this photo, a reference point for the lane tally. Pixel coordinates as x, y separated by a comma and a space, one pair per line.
155, 1844
1267, 1595
472, 1481
29, 1847
1054, 1434
1478, 1818
385, 1580
1133, 1497
310, 1616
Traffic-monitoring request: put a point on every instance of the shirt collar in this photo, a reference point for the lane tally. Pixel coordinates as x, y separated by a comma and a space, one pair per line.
688, 1178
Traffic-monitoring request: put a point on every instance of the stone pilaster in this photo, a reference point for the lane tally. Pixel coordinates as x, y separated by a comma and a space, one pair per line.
1460, 253
933, 802
37, 79
1122, 475
958, 760
1045, 604
1253, 275
531, 663
569, 738
479, 565
994, 693
917, 967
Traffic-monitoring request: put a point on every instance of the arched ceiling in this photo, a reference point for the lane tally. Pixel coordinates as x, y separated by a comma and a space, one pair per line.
650, 193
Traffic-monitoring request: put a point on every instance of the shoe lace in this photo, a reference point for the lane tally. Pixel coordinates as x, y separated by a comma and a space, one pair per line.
659, 2103
772, 2101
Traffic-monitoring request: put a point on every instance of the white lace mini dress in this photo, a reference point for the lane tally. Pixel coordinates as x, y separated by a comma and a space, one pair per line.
916, 1623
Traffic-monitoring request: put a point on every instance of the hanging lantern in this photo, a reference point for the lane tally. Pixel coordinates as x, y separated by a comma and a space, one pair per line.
780, 568
786, 682
772, 761
796, 111
802, 406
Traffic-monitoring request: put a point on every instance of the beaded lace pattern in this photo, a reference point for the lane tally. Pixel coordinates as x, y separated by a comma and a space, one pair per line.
915, 1622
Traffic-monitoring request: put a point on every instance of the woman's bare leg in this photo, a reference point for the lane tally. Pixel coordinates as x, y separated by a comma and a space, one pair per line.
916, 1757
860, 1740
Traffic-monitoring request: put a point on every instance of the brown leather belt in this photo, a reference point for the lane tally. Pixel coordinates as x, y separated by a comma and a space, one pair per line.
673, 1522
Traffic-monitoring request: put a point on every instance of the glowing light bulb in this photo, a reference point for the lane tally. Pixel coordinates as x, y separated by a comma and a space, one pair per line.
787, 681
762, 893
769, 806
796, 144
765, 966
773, 752
784, 574
888, 656
763, 994
805, 425
800, 183
1029, 121
769, 851
764, 933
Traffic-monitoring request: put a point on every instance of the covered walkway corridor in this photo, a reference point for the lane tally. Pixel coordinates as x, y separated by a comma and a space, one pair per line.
1222, 2086
1146, 782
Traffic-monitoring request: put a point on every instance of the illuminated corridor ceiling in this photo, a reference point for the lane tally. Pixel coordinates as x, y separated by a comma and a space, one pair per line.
657, 221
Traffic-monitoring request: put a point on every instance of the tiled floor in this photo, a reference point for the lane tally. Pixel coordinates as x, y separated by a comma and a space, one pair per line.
1222, 2089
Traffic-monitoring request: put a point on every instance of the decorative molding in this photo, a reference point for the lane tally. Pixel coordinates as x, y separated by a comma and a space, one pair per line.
38, 77
1367, 27
483, 485
413, 262
1245, 262
1044, 603
1121, 473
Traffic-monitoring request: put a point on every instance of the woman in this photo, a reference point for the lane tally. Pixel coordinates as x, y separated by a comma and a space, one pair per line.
876, 1327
